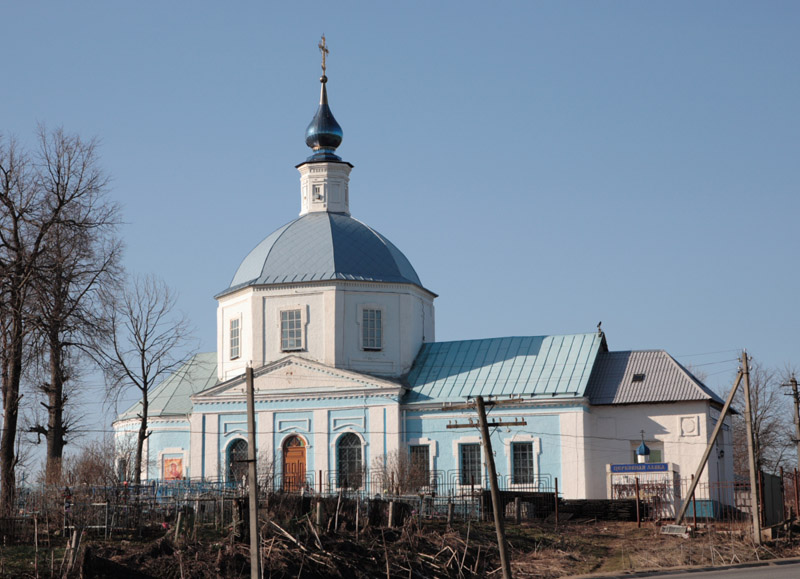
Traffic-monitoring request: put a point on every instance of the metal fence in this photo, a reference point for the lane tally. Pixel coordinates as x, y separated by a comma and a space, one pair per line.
125, 508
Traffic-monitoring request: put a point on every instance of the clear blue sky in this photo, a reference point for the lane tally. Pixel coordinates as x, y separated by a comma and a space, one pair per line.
544, 165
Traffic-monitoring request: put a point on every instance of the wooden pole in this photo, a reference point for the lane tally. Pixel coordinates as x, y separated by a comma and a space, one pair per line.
796, 417
709, 447
505, 563
796, 494
255, 572
638, 514
750, 452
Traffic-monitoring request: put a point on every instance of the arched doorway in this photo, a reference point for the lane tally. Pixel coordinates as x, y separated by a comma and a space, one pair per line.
349, 461
237, 460
294, 463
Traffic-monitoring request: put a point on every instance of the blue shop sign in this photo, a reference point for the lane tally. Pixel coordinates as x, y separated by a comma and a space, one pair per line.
642, 467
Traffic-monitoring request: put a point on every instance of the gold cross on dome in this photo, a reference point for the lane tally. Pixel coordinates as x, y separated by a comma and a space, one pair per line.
324, 50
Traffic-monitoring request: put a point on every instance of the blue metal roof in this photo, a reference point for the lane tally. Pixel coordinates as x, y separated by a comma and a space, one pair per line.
534, 366
324, 246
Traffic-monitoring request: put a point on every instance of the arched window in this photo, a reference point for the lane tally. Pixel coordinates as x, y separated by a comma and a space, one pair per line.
237, 460
348, 461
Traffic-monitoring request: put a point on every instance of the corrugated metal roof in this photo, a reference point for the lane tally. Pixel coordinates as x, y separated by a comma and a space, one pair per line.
551, 366
664, 379
171, 397
324, 246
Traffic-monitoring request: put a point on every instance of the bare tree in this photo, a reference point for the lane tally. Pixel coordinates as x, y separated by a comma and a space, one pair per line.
37, 195
771, 416
21, 239
93, 465
81, 259
147, 341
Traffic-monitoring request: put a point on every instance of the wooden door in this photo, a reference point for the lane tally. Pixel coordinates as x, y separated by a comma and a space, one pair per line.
294, 464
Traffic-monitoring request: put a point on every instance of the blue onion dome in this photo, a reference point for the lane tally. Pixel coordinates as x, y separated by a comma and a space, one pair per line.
323, 134
643, 450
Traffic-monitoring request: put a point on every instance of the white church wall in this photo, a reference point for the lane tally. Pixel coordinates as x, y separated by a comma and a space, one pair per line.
679, 430
310, 303
235, 307
331, 325
402, 326
573, 449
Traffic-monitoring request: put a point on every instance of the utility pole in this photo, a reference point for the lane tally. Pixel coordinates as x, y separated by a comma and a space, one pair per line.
498, 515
750, 452
483, 424
796, 417
255, 572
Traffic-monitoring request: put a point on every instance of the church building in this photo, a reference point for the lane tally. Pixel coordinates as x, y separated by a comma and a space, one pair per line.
351, 384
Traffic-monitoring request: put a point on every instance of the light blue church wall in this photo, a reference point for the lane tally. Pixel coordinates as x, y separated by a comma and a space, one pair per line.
167, 442
543, 430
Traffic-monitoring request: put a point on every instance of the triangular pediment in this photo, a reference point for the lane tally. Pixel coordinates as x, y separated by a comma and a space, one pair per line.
295, 376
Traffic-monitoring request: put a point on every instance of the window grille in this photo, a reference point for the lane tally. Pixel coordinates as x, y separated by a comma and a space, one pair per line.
470, 464
348, 461
291, 330
371, 329
234, 339
522, 463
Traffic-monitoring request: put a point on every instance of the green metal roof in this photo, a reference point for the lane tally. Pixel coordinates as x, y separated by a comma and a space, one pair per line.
534, 366
172, 396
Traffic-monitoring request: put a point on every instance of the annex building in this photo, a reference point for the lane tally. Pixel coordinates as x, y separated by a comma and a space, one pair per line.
349, 378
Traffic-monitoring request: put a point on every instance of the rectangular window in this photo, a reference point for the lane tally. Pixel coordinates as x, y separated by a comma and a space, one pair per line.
522, 463
470, 464
420, 456
317, 191
291, 330
234, 341
371, 330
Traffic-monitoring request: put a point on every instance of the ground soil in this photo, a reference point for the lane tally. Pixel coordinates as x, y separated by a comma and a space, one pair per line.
427, 549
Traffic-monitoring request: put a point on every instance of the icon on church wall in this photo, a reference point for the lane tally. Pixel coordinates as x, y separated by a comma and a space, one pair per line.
173, 468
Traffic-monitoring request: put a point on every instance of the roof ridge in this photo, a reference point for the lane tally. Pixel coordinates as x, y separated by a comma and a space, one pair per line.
518, 337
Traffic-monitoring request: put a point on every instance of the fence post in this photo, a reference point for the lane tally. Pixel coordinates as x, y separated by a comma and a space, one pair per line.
556, 502
694, 506
638, 514
319, 513
796, 493
106, 521
450, 513
517, 510
391, 513
783, 495
762, 511
358, 510
178, 525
